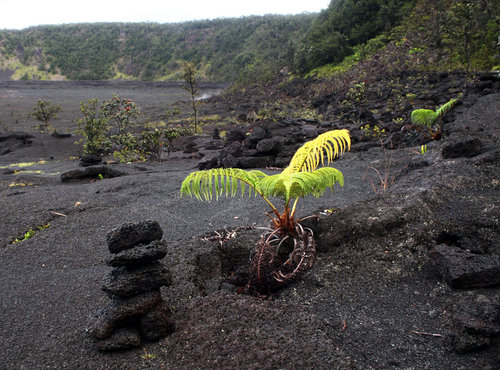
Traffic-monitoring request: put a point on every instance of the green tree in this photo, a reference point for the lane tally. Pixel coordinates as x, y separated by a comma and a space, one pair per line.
45, 111
465, 28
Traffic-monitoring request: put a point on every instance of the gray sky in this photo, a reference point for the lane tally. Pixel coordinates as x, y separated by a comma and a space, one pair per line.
18, 14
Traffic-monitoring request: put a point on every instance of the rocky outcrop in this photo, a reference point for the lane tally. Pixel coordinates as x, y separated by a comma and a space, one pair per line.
444, 212
136, 309
268, 144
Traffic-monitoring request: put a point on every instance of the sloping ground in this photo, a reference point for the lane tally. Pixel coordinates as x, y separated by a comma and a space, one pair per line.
373, 299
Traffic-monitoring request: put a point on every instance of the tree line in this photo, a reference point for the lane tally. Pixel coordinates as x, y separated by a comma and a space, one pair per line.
255, 49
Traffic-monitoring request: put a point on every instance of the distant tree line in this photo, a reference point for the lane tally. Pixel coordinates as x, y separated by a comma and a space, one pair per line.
221, 49
255, 49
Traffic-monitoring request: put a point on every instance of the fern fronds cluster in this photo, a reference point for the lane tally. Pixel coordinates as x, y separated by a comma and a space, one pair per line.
301, 178
428, 118
309, 156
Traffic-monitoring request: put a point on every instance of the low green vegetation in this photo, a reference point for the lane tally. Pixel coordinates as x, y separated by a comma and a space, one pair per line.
45, 111
107, 128
431, 122
30, 233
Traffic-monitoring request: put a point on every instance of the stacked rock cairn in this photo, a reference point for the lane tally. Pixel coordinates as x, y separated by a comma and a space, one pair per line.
137, 310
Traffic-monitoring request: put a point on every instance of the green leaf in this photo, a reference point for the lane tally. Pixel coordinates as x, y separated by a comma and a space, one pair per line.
308, 157
423, 117
205, 184
445, 108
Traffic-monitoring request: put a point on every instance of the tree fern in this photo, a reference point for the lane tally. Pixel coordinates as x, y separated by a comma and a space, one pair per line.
301, 178
428, 118
301, 184
445, 108
308, 157
424, 117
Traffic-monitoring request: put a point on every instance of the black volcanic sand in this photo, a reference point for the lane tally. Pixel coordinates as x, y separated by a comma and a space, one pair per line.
51, 282
17, 99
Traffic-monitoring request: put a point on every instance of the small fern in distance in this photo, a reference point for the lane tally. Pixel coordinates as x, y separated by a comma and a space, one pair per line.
432, 121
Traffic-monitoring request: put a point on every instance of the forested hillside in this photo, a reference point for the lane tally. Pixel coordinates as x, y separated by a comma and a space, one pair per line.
252, 48
432, 34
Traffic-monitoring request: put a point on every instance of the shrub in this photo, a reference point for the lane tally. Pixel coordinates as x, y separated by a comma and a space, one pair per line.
94, 127
45, 111
120, 112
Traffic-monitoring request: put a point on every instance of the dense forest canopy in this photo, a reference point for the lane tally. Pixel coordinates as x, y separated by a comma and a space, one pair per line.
223, 49
452, 34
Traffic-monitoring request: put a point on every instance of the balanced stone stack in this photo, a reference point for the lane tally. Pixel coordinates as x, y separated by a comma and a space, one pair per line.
137, 309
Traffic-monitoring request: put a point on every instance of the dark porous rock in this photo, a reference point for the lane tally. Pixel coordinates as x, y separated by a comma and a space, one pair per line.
234, 149
270, 146
208, 164
255, 135
121, 339
462, 269
139, 255
464, 342
90, 173
58, 135
255, 162
126, 282
132, 234
90, 160
156, 324
462, 147
478, 313
235, 134
227, 160
107, 319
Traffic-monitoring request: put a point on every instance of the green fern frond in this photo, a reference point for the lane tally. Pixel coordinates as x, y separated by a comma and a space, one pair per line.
301, 184
311, 154
204, 185
423, 117
445, 108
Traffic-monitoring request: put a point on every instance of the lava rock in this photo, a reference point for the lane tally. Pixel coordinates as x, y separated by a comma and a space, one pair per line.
121, 339
227, 160
156, 324
107, 319
255, 162
139, 255
132, 234
90, 173
463, 147
462, 269
235, 134
90, 160
463, 342
270, 146
125, 282
256, 134
58, 135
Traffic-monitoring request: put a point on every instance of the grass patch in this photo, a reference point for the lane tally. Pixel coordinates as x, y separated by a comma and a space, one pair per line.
30, 233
